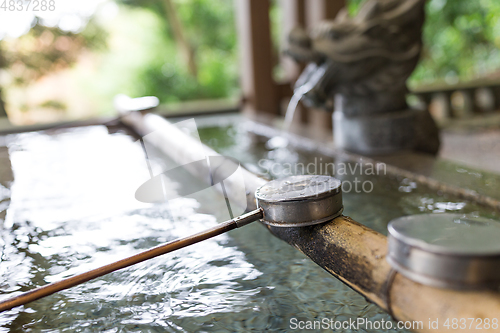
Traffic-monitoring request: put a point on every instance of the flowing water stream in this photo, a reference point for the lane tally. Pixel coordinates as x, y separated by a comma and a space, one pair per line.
282, 141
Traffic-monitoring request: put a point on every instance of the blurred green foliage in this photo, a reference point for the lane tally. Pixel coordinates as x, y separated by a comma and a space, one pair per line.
135, 53
461, 40
209, 28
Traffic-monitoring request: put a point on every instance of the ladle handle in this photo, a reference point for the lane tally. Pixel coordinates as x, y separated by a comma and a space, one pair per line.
156, 251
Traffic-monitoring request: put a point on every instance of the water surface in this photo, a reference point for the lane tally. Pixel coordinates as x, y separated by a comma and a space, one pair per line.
68, 205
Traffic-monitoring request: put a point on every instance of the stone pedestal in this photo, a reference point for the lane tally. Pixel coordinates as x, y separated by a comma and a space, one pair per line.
386, 133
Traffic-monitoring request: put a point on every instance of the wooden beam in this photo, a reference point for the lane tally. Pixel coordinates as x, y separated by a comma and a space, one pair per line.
259, 89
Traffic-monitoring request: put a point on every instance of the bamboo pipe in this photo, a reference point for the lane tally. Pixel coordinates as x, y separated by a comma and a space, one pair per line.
348, 250
156, 251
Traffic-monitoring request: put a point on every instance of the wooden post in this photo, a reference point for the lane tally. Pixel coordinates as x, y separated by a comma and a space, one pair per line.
496, 96
294, 15
319, 10
259, 88
307, 13
469, 105
443, 103
485, 99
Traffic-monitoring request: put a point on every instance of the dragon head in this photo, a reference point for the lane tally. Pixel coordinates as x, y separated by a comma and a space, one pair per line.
370, 54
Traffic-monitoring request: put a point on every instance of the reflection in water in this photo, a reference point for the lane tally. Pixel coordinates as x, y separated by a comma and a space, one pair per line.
72, 208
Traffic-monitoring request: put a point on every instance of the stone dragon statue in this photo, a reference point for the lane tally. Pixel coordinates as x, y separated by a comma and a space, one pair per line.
364, 62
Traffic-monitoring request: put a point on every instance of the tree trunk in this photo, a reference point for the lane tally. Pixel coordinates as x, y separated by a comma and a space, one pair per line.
180, 38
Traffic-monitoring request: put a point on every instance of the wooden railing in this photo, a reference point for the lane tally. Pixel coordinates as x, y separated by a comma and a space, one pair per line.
460, 100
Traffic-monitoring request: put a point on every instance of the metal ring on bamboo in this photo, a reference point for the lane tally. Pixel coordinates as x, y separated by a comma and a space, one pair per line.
299, 201
446, 250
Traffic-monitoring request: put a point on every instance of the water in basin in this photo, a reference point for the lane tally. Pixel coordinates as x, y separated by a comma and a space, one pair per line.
67, 201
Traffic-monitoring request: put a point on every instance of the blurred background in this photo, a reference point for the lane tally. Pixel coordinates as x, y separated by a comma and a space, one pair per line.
69, 63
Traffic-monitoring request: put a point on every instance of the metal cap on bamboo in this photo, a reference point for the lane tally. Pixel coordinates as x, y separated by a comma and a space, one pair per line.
299, 201
446, 250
